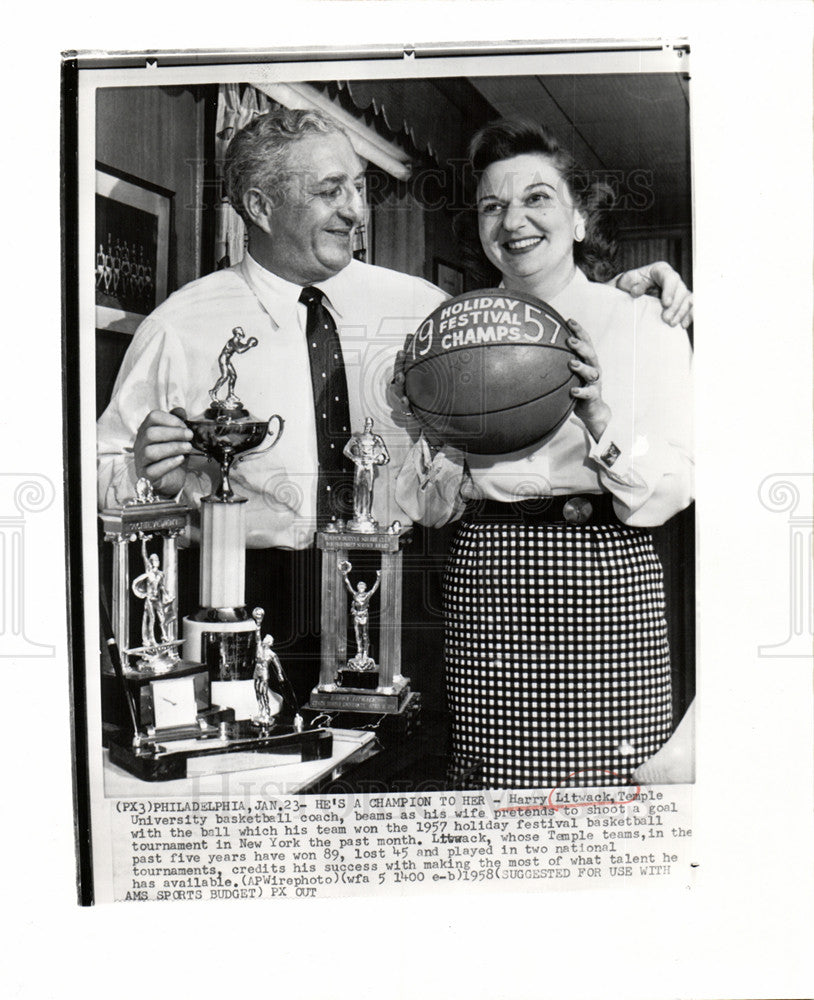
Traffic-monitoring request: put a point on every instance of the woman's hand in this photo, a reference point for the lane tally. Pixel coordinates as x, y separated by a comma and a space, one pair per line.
397, 382
590, 407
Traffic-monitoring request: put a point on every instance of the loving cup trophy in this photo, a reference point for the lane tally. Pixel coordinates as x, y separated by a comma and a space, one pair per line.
226, 429
222, 633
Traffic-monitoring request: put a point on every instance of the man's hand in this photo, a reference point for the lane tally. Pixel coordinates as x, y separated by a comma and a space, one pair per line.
676, 298
161, 448
674, 764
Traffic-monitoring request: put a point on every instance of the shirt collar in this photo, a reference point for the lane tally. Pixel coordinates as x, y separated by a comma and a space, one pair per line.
280, 297
568, 295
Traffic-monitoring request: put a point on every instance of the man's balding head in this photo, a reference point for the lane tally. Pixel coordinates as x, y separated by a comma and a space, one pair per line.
256, 156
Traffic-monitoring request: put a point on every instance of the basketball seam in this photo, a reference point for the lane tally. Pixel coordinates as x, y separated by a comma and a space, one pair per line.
500, 409
471, 347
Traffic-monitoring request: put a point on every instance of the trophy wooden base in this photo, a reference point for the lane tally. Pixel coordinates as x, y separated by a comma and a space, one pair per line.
366, 680
153, 760
382, 701
402, 725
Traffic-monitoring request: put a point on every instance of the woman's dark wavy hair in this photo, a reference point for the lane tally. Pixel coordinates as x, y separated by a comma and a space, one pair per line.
508, 137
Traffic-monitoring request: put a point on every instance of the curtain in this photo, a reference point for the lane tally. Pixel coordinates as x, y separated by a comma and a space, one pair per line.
636, 249
237, 106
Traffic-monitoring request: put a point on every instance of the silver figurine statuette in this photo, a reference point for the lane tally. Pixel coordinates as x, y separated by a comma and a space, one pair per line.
157, 652
360, 615
270, 678
366, 450
226, 429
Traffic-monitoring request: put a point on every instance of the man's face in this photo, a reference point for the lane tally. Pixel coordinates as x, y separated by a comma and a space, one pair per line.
316, 210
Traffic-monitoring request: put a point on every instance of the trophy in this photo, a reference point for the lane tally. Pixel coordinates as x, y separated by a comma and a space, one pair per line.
222, 633
144, 519
149, 694
359, 683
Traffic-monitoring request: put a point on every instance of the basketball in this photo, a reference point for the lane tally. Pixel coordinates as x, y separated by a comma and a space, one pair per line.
488, 371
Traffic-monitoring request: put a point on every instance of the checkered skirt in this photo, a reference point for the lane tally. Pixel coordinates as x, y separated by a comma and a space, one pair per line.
558, 668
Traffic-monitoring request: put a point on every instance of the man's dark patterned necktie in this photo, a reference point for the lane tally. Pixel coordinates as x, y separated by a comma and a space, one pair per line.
335, 481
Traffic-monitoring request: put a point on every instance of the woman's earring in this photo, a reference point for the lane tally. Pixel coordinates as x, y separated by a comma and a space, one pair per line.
579, 232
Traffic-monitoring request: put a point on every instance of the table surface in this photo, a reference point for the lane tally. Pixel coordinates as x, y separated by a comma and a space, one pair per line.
371, 760
276, 774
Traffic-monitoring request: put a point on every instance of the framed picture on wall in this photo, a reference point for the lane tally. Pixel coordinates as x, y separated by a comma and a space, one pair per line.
448, 276
133, 225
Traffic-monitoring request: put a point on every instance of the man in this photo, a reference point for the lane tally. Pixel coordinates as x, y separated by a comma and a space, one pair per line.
296, 181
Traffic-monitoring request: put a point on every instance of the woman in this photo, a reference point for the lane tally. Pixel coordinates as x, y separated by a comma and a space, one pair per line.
556, 652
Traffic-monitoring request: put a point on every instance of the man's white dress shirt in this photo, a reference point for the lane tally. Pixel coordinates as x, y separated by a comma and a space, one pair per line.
173, 361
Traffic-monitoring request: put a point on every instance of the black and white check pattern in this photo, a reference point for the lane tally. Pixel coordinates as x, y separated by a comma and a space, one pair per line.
558, 667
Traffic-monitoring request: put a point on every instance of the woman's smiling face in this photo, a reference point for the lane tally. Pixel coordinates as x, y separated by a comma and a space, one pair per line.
526, 222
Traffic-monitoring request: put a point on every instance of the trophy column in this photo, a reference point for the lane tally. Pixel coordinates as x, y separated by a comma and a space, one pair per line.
222, 633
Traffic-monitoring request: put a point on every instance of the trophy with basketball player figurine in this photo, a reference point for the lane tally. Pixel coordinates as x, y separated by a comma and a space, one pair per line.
359, 683
150, 696
222, 633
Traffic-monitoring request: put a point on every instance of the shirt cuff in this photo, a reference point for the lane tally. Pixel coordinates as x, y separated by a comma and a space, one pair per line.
613, 452
433, 462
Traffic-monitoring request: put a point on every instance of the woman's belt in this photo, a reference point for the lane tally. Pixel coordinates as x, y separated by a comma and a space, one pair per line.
574, 509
